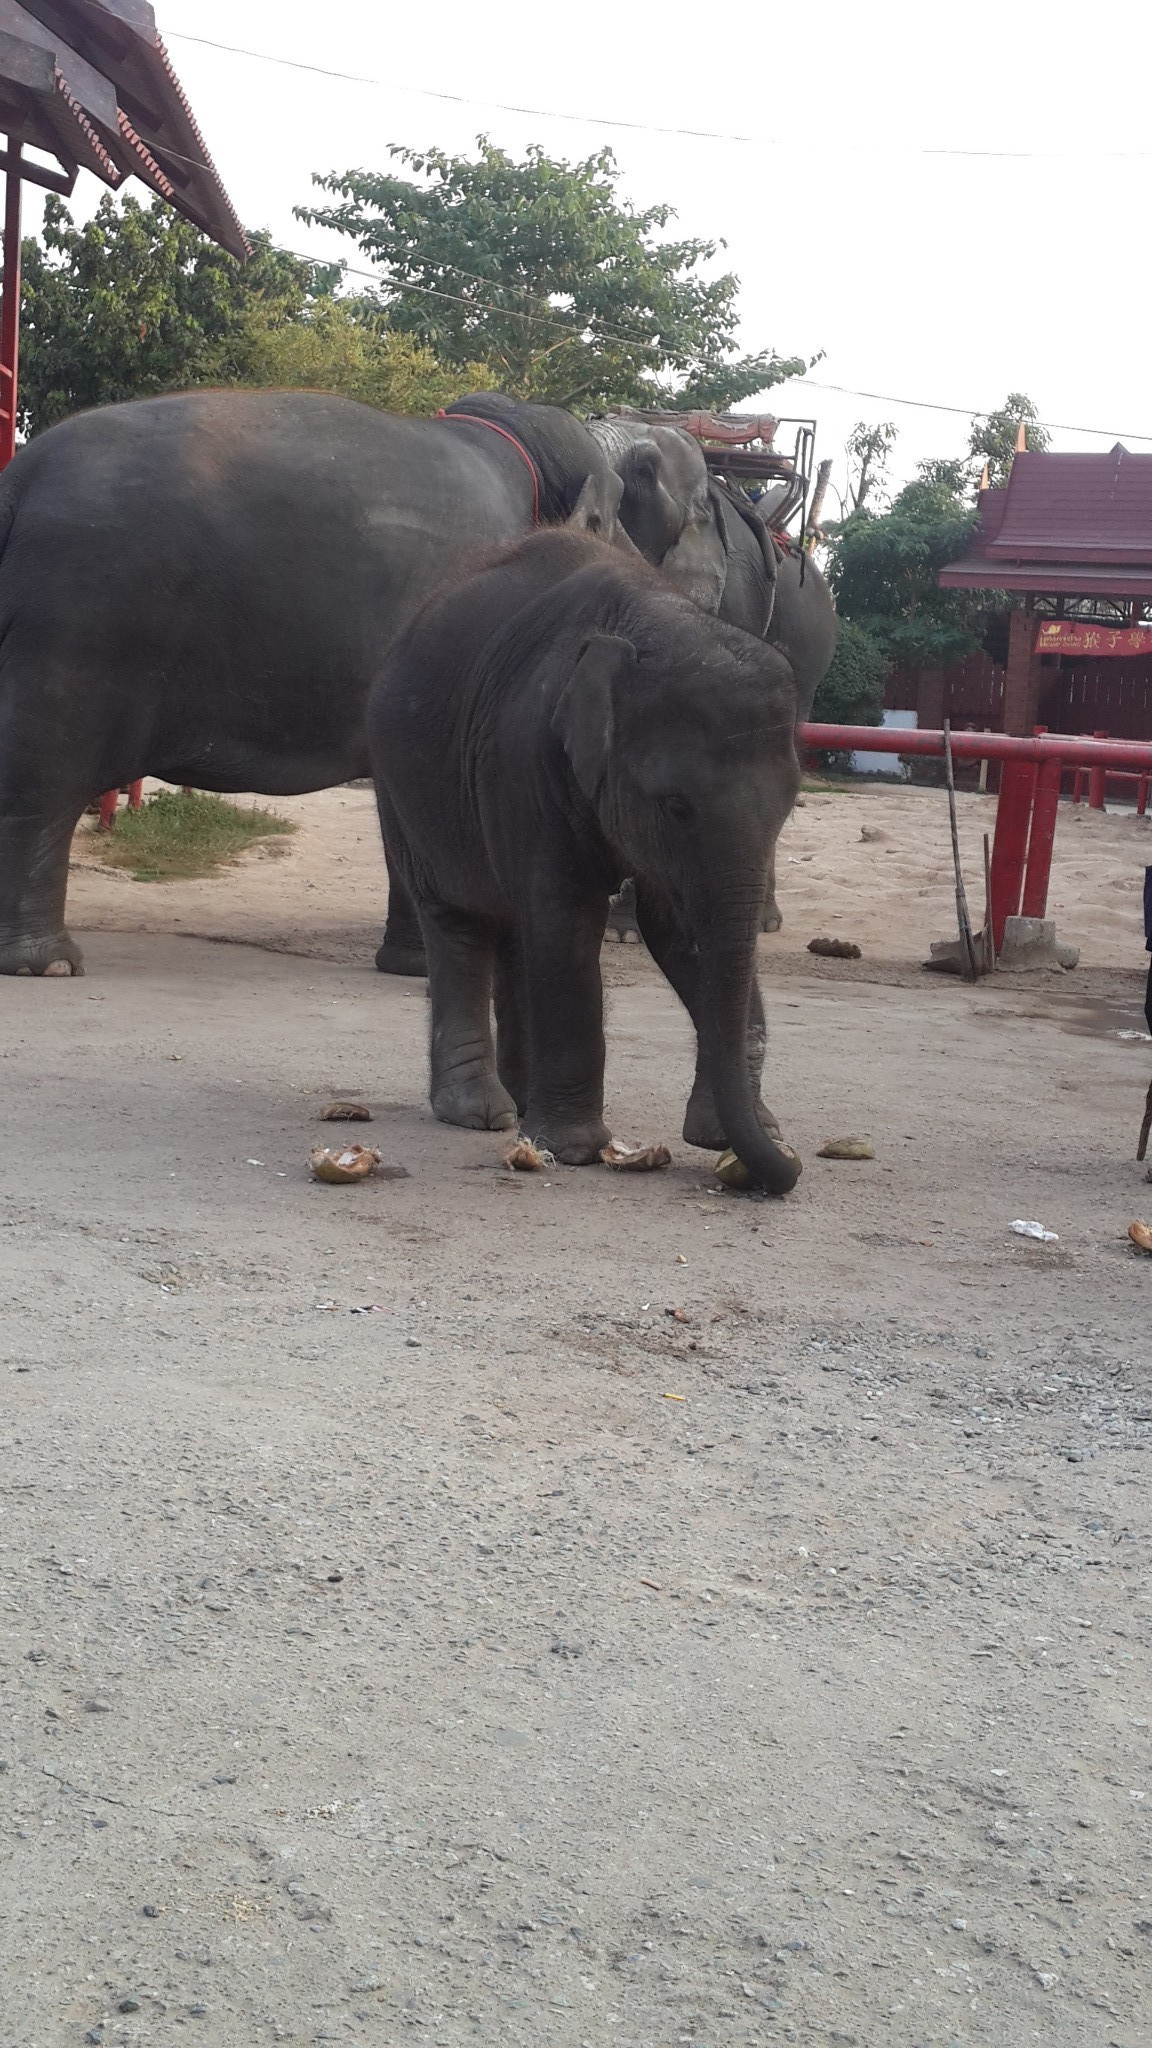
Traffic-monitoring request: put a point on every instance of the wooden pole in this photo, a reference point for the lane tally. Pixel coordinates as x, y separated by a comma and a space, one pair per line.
989, 961
971, 969
10, 307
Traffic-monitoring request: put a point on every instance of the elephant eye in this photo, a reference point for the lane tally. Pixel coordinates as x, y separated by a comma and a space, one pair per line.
677, 809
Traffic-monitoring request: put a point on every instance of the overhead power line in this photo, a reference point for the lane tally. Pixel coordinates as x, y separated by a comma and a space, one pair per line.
458, 99
964, 411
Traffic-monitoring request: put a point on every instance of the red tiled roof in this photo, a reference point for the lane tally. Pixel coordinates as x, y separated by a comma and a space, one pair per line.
90, 82
1064, 523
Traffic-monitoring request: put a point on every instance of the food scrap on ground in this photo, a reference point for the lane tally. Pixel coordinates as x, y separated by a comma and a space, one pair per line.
846, 1148
636, 1158
525, 1157
1140, 1235
340, 1167
345, 1113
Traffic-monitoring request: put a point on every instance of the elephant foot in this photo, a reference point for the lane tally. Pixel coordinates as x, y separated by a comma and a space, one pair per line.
622, 925
702, 1124
52, 953
480, 1104
392, 958
571, 1144
771, 918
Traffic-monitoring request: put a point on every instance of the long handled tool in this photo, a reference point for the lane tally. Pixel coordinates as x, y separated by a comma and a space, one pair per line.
971, 969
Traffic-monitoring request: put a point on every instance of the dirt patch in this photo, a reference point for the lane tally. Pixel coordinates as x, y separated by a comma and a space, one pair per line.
413, 1632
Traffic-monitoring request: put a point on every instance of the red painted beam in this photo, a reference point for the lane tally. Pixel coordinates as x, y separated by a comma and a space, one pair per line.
1073, 748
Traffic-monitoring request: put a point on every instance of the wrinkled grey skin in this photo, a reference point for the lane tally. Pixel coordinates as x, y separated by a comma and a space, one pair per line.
199, 588
539, 731
666, 508
716, 547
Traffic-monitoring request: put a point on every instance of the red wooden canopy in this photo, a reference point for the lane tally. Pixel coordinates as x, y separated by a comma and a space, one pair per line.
89, 83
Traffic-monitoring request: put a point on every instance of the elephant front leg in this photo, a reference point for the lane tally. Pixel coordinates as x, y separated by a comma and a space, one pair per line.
35, 841
565, 1017
667, 940
771, 917
511, 1023
465, 1087
401, 950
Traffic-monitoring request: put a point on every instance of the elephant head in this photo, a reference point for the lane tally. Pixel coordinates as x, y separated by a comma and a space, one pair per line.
680, 737
666, 508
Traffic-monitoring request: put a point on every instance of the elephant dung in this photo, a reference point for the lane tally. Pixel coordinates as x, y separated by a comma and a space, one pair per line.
846, 1148
835, 949
350, 1163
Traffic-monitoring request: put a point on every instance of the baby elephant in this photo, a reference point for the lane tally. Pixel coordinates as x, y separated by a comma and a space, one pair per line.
556, 722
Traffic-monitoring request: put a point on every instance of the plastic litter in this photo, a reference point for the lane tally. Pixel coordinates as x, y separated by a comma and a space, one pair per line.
1036, 1230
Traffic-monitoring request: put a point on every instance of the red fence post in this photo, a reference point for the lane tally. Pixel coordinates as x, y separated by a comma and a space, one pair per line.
1010, 844
135, 795
1045, 808
1097, 777
108, 803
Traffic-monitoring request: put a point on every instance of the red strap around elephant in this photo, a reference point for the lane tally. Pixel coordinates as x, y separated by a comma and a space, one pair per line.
476, 419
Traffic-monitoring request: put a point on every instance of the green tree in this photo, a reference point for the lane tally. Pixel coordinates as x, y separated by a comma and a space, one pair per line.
852, 690
137, 301
541, 270
994, 435
868, 449
884, 569
335, 345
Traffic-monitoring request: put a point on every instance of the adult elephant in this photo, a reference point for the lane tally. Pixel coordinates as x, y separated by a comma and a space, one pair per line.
200, 588
553, 723
713, 543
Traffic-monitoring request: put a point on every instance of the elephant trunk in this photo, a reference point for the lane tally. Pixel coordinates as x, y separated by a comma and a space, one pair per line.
727, 955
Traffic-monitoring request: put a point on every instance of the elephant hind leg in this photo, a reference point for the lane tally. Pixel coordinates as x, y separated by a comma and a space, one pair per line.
35, 839
401, 950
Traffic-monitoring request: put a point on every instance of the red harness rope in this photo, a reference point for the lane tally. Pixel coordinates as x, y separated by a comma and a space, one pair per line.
476, 420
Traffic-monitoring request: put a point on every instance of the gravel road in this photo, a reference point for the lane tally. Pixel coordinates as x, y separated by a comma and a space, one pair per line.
514, 1661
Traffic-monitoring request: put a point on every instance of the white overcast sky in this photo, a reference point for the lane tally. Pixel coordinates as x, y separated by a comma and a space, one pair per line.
948, 278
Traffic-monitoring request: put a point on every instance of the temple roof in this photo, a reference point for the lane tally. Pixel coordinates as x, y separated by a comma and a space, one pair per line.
1074, 524
90, 83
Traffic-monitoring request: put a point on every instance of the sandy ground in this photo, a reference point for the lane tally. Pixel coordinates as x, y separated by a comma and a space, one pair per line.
513, 1662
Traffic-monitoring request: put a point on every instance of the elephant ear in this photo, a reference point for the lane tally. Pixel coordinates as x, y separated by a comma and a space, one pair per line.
596, 508
584, 718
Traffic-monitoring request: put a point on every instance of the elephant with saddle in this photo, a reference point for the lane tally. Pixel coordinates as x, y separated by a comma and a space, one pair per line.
553, 723
200, 588
716, 545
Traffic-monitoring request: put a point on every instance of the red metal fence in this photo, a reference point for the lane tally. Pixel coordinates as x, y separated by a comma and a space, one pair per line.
1029, 800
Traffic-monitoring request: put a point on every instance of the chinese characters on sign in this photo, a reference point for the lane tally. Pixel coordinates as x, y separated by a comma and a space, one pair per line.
1068, 636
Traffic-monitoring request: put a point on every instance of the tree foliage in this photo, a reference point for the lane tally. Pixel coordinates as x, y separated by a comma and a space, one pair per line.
868, 449
138, 302
884, 569
994, 435
541, 270
852, 690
